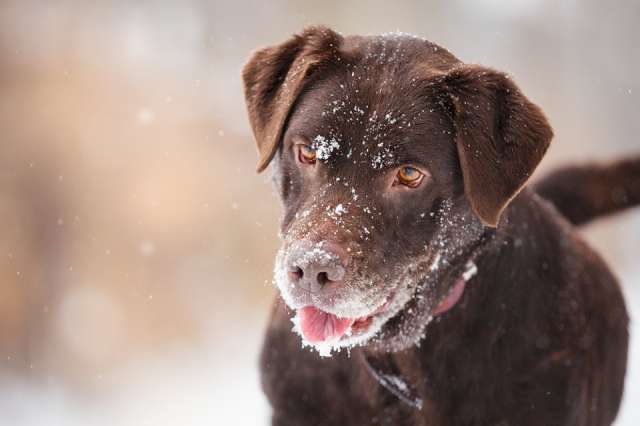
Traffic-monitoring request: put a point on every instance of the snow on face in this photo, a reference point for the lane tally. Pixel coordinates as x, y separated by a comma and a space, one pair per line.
362, 297
319, 222
324, 147
358, 143
375, 130
367, 107
366, 287
409, 291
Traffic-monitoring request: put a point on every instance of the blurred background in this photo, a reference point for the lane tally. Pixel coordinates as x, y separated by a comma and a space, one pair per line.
137, 242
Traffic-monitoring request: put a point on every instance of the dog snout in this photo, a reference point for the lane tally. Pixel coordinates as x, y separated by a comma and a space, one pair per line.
316, 268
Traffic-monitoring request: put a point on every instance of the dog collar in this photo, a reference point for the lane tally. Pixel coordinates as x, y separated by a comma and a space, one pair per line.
385, 371
387, 375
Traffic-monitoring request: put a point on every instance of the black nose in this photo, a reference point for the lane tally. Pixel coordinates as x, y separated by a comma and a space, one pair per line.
313, 267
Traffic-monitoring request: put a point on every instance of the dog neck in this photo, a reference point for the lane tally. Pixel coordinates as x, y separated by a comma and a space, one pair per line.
382, 366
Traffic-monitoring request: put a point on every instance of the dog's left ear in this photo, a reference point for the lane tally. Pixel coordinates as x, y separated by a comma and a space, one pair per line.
275, 76
501, 137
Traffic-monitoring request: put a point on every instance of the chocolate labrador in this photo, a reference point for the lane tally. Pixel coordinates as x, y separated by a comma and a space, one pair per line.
421, 282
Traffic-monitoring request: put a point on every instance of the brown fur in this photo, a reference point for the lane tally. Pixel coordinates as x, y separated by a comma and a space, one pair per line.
583, 193
540, 334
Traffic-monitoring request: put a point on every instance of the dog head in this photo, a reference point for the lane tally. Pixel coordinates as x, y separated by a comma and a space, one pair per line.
391, 158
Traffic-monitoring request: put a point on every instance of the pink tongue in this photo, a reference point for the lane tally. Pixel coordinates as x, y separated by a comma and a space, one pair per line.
319, 326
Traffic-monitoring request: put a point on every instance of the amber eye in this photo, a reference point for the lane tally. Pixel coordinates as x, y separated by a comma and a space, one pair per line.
410, 176
306, 154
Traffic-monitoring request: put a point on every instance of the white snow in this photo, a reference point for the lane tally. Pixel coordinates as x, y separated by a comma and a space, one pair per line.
470, 271
340, 209
324, 146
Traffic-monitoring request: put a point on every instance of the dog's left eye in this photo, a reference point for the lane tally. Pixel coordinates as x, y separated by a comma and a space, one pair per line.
409, 176
306, 154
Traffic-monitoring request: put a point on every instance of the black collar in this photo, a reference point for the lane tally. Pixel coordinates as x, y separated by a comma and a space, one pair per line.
387, 375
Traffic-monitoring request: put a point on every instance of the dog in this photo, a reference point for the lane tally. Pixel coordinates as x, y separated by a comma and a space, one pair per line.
421, 282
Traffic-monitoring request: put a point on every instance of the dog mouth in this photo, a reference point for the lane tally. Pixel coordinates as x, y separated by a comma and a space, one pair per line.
318, 326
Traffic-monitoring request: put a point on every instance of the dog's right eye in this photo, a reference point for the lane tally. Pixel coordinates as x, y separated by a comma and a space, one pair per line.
409, 176
306, 154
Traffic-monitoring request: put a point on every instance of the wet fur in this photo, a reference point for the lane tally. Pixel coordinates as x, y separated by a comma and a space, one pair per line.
514, 351
540, 334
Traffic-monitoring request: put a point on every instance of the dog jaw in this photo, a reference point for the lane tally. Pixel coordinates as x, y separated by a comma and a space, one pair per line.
411, 291
377, 309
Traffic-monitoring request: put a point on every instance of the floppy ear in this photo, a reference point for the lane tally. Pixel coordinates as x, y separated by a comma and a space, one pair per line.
500, 135
275, 76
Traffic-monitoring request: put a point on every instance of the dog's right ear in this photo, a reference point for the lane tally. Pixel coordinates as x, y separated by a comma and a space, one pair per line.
275, 76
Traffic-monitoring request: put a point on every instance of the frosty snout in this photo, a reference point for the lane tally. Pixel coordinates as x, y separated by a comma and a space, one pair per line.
318, 268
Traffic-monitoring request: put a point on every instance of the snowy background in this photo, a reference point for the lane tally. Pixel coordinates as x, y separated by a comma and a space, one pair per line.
137, 242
